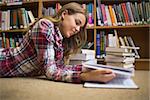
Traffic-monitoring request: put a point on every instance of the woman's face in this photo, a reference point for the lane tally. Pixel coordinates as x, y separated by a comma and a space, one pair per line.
71, 24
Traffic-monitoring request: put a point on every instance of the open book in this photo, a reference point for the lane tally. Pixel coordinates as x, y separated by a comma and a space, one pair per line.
122, 80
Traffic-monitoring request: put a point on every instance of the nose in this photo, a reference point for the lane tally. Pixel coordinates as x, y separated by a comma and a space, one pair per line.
77, 28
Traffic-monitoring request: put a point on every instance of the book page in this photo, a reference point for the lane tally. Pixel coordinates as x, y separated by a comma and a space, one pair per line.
120, 72
115, 83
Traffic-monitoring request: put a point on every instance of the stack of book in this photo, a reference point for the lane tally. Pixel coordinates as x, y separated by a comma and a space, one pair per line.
120, 57
85, 55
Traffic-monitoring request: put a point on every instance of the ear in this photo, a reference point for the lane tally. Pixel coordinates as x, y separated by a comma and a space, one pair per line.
64, 13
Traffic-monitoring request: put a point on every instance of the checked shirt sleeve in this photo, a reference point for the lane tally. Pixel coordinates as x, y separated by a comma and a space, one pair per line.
45, 41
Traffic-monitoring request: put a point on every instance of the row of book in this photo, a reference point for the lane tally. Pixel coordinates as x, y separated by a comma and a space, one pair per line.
111, 39
9, 40
16, 19
14, 2
126, 13
52, 10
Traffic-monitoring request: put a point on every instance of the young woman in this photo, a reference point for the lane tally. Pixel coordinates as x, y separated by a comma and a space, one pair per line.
47, 42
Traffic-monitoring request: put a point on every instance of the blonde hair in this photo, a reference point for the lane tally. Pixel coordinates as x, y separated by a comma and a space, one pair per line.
75, 42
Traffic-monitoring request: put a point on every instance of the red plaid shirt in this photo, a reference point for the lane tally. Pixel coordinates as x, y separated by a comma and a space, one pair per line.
40, 52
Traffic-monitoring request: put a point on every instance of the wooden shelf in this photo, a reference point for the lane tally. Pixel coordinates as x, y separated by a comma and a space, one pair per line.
35, 1
143, 59
67, 0
142, 64
14, 30
24, 2
90, 27
122, 27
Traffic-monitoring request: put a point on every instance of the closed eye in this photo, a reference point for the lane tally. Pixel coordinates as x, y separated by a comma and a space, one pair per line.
78, 22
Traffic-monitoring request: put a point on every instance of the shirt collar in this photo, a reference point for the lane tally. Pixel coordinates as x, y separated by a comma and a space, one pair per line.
59, 33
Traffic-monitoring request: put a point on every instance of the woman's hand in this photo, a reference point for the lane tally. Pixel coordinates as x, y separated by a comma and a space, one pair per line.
102, 75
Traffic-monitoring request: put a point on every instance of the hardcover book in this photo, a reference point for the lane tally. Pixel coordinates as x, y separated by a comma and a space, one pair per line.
123, 79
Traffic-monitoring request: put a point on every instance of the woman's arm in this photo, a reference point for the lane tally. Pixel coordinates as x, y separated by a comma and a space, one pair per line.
45, 44
54, 68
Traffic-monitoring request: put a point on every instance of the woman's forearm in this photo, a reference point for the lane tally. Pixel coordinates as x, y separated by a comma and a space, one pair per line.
104, 75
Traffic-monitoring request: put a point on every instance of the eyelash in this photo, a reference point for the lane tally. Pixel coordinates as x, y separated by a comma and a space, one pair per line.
77, 22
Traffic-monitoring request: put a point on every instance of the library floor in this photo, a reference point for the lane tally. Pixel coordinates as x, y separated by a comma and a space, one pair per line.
41, 89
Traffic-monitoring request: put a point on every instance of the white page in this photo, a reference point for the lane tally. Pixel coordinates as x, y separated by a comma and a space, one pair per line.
115, 83
120, 72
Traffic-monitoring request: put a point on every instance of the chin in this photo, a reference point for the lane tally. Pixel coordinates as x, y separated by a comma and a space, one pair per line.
67, 35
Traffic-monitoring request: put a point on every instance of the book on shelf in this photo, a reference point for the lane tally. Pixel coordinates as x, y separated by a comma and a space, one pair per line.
108, 16
114, 58
123, 77
112, 15
13, 2
51, 10
121, 64
126, 42
130, 54
115, 49
98, 46
16, 19
80, 56
88, 45
110, 43
85, 54
77, 62
124, 13
10, 41
99, 13
1, 40
131, 42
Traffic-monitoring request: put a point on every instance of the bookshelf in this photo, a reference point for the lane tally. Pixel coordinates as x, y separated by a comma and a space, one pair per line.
139, 33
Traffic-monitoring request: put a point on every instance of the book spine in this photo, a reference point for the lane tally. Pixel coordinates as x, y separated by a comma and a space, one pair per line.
99, 13
118, 17
0, 20
102, 43
104, 15
4, 40
108, 16
133, 45
137, 12
31, 17
130, 13
1, 42
121, 14
98, 53
125, 13
144, 11
111, 14
20, 18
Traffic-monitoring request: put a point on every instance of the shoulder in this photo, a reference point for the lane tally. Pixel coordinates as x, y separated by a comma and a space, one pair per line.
45, 23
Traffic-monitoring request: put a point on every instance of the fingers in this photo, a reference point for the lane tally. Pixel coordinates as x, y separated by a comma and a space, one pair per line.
105, 71
103, 75
84, 69
108, 77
